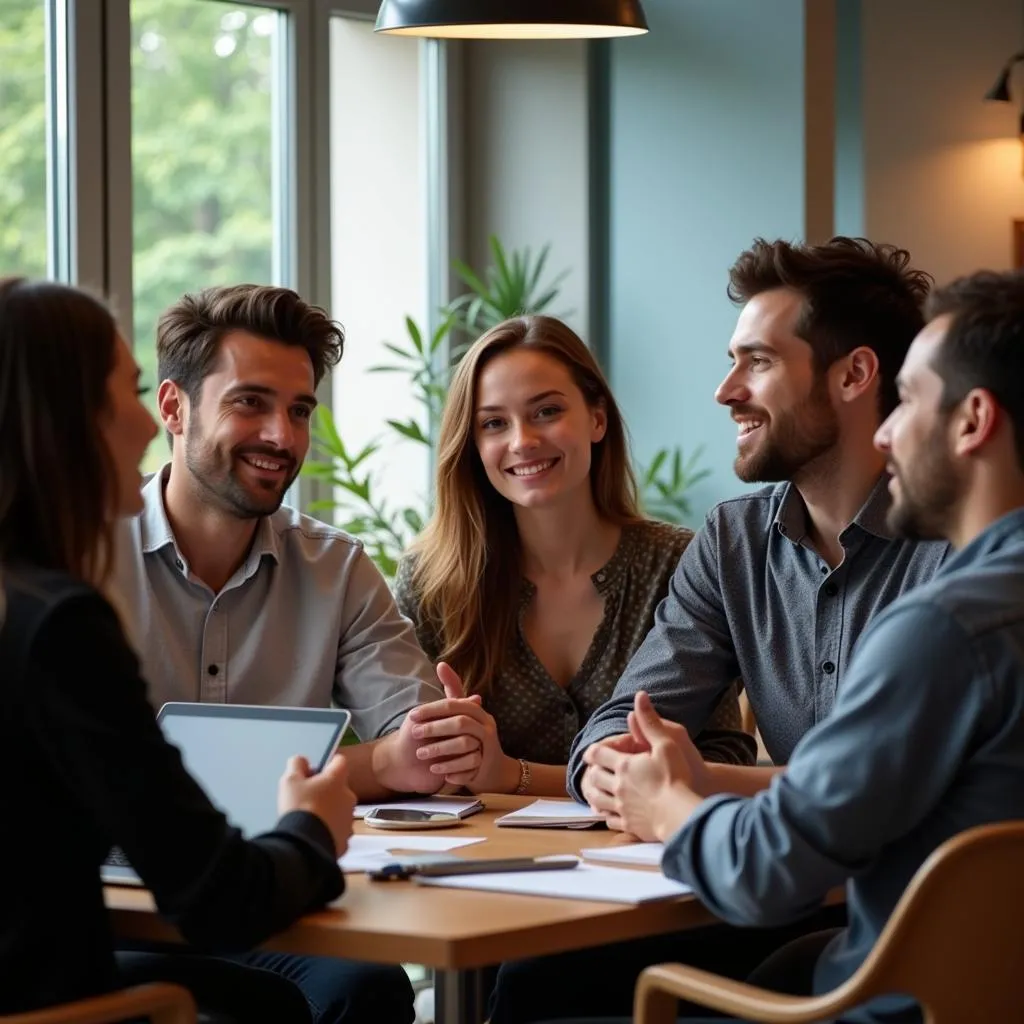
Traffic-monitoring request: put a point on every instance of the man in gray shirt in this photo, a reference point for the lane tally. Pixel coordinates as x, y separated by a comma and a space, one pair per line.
779, 583
927, 736
230, 596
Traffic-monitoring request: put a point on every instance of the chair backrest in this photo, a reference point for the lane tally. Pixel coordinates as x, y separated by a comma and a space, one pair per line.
955, 941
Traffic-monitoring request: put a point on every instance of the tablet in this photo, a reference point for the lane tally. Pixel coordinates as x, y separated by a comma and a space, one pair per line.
238, 753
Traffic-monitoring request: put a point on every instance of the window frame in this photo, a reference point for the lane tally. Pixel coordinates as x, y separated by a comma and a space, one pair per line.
91, 142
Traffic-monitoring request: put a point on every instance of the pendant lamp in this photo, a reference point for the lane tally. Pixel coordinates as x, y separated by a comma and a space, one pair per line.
512, 19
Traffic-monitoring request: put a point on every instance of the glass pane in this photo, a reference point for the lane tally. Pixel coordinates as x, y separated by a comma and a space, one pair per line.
378, 249
23, 138
203, 82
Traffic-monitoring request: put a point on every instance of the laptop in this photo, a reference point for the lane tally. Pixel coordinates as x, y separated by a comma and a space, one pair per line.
238, 753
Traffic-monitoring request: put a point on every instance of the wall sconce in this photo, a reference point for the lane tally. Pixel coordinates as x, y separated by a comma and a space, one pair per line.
1000, 93
512, 19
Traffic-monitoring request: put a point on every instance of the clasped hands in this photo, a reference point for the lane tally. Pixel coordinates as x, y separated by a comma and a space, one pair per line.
454, 742
647, 781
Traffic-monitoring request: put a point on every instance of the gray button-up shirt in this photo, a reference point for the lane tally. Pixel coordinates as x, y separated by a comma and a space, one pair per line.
306, 619
751, 598
926, 740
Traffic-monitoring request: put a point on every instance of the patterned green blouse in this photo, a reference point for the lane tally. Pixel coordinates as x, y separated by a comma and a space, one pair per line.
536, 718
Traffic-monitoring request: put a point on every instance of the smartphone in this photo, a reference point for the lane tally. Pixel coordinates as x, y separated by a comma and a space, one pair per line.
405, 818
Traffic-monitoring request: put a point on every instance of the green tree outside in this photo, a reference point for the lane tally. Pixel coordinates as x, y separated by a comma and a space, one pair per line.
202, 152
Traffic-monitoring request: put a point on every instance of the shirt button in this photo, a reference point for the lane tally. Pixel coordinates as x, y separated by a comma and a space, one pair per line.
213, 670
831, 590
824, 570
600, 577
179, 563
828, 668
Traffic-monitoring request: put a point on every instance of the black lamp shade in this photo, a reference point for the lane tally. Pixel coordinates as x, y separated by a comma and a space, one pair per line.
512, 19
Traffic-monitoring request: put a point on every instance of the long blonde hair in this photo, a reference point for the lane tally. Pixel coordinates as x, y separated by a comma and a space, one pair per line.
468, 568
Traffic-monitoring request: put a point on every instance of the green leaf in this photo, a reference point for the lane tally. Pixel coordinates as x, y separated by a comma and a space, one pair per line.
414, 334
361, 489
402, 353
413, 519
410, 429
466, 272
655, 467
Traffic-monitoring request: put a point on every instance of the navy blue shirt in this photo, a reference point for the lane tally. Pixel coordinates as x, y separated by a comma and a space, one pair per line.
926, 740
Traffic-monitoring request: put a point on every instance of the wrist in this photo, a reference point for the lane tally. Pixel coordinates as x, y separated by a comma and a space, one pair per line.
672, 809
386, 765
511, 774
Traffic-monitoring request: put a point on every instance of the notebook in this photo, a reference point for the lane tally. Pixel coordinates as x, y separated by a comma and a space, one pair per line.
237, 753
551, 814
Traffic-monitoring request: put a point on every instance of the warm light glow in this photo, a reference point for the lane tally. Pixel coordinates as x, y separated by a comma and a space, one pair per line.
534, 31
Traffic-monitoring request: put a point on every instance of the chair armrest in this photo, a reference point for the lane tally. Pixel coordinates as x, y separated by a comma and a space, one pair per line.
163, 1004
659, 989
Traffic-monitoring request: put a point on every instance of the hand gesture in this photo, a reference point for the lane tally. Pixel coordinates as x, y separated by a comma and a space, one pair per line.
634, 788
485, 768
325, 794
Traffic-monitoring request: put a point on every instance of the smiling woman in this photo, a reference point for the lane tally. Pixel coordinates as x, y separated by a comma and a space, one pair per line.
537, 577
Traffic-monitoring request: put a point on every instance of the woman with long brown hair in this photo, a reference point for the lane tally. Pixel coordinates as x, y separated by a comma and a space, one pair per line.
84, 763
538, 576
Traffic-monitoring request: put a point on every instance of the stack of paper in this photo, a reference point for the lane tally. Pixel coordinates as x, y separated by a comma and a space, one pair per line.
639, 854
584, 882
457, 805
551, 814
366, 853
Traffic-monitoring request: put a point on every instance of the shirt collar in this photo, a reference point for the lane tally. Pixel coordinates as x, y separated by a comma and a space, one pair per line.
606, 579
791, 518
157, 533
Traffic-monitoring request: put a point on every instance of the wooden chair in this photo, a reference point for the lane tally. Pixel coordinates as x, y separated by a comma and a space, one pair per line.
955, 942
160, 1003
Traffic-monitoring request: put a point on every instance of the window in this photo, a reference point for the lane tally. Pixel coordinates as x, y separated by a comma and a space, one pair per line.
24, 138
205, 170
378, 242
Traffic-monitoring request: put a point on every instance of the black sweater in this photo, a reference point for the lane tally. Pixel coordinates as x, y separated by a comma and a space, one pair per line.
83, 767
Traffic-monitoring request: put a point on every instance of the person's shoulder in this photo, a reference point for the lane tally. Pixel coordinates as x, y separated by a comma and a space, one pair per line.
760, 506
656, 536
316, 539
32, 596
977, 598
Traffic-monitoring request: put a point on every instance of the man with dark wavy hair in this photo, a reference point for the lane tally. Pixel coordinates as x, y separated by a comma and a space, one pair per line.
231, 596
780, 582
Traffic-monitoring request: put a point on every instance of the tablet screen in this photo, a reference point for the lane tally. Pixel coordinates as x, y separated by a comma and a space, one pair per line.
238, 754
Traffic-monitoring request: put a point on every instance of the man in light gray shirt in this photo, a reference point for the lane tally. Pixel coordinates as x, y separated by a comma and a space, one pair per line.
232, 597
779, 583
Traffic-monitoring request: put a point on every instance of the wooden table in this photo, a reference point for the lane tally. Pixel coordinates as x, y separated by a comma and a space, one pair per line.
456, 932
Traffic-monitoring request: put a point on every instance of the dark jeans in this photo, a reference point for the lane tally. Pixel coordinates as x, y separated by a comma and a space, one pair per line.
285, 989
789, 970
600, 982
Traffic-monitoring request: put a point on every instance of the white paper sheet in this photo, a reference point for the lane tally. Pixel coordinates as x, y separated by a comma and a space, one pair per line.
365, 853
585, 882
454, 804
647, 854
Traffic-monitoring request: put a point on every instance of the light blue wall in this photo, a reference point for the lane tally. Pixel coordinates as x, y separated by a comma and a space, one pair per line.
706, 152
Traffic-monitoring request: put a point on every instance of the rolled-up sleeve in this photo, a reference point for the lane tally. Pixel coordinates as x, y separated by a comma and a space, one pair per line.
903, 722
